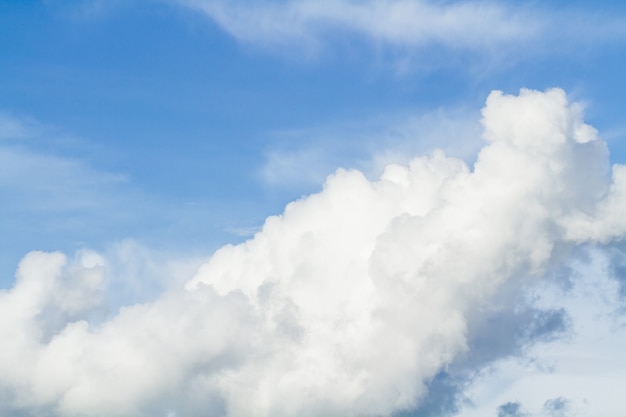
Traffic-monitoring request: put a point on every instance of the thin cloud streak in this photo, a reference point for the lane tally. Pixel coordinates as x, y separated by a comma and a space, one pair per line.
62, 200
478, 26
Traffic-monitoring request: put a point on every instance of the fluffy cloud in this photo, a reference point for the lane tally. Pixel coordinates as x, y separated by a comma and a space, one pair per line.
353, 302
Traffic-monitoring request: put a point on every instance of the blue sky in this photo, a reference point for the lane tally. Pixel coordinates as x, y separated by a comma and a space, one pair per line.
185, 114
165, 129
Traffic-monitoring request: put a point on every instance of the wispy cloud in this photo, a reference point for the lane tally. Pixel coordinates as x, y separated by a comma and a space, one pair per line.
54, 191
293, 168
33, 180
53, 183
13, 127
303, 158
465, 24
489, 28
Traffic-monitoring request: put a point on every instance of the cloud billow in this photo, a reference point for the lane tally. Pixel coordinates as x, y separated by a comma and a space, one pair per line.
350, 303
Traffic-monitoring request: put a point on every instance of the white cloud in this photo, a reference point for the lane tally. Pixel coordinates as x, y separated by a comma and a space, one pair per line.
347, 304
493, 28
467, 24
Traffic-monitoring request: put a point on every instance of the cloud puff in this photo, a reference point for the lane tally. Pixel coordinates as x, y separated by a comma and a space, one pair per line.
350, 303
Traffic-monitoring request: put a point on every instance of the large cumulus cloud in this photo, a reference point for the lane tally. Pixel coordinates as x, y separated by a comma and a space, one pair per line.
350, 303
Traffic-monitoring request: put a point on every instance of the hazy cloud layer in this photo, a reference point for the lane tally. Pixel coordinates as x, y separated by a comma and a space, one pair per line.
350, 303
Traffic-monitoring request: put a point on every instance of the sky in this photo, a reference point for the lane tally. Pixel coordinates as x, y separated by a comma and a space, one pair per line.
407, 208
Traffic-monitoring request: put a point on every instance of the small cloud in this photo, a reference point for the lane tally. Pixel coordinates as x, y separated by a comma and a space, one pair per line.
557, 407
243, 231
303, 167
511, 410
